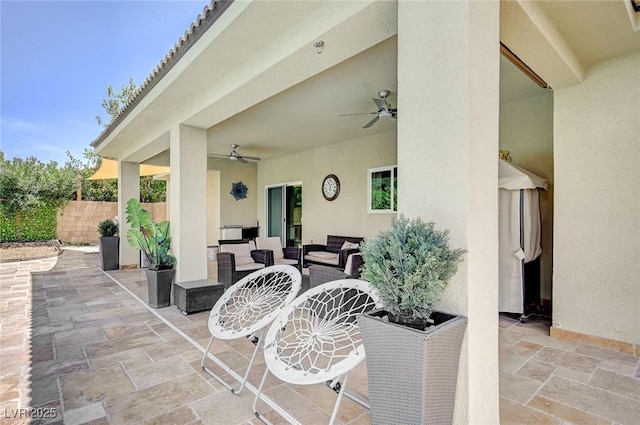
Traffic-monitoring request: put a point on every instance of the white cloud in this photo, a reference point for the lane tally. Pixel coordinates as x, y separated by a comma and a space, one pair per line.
20, 126
47, 141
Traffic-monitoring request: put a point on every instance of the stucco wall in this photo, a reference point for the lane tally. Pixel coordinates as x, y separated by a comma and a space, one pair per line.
349, 160
78, 221
597, 203
231, 211
526, 131
448, 78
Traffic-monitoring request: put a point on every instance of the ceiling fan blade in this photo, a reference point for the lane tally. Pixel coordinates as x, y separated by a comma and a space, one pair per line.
361, 113
217, 155
251, 158
370, 123
241, 159
382, 104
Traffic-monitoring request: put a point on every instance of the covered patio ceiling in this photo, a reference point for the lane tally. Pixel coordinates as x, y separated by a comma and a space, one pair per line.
307, 115
548, 36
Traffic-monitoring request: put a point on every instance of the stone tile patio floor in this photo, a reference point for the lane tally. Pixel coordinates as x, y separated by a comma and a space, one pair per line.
76, 340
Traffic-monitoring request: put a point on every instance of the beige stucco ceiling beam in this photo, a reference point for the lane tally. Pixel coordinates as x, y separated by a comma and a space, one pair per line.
346, 28
142, 150
233, 67
527, 31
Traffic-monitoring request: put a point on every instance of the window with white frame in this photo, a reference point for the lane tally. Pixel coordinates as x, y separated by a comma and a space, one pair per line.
383, 189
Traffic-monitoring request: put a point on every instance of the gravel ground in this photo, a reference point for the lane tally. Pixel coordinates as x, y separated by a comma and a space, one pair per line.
10, 252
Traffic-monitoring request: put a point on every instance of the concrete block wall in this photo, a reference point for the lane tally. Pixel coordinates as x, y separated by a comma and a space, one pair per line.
78, 221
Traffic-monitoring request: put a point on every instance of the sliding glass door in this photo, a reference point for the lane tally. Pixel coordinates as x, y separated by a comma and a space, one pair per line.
276, 196
284, 213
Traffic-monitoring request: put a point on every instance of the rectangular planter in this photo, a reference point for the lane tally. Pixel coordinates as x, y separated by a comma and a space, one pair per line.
159, 285
109, 252
412, 373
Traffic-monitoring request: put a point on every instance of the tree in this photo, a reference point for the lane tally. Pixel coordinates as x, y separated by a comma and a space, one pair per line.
107, 190
92, 190
28, 184
115, 102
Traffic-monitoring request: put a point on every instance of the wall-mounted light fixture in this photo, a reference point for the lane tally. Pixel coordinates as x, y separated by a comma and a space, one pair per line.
319, 46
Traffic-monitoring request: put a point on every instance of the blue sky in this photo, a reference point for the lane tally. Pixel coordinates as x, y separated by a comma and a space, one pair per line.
57, 59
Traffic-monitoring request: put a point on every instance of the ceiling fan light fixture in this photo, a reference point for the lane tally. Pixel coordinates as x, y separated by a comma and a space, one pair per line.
385, 111
233, 156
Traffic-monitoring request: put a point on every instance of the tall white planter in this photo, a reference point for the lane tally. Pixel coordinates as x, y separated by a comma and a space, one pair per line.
412, 373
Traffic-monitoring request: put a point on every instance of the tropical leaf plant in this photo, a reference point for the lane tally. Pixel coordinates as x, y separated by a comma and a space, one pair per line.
154, 239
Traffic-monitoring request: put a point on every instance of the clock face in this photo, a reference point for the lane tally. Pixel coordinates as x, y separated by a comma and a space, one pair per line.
331, 187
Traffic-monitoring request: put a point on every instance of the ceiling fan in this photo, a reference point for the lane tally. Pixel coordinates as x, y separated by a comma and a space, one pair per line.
234, 156
385, 111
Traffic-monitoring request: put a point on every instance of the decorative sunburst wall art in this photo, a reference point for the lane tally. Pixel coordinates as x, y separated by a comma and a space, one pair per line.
239, 190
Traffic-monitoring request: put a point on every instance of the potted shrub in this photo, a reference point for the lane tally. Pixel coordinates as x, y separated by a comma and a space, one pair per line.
155, 242
109, 243
412, 351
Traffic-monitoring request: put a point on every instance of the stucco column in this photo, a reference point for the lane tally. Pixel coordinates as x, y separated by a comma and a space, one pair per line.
448, 103
188, 201
128, 187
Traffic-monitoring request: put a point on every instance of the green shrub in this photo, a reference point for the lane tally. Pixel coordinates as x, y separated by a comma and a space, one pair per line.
8, 231
107, 228
409, 264
38, 224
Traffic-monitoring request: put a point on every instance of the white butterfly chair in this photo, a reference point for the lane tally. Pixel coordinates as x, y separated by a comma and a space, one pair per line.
315, 339
247, 307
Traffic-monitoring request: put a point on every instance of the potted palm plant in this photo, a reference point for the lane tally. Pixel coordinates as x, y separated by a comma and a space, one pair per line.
154, 240
412, 351
109, 243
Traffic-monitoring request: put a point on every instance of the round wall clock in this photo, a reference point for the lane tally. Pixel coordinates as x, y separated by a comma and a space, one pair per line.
331, 187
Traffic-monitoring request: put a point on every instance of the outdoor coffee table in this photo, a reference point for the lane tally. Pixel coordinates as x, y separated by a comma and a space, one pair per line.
196, 295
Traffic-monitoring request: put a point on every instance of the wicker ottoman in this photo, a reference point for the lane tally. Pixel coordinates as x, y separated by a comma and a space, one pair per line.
196, 295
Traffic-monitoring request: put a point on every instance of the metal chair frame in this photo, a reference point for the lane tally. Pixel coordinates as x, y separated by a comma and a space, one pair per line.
247, 308
315, 339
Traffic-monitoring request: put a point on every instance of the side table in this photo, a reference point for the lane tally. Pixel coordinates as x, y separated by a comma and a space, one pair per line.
196, 295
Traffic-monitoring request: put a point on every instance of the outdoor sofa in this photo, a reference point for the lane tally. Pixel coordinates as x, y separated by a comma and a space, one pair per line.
319, 274
334, 254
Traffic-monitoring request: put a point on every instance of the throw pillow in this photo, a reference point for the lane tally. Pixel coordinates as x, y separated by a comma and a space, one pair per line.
350, 245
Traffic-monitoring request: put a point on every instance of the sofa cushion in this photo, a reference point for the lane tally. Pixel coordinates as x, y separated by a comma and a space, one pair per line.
271, 243
349, 264
323, 257
323, 254
250, 266
286, 262
241, 251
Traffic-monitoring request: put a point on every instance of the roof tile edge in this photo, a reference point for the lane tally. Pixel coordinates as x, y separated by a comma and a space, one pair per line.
203, 22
